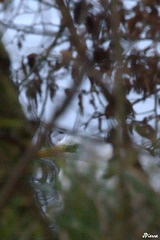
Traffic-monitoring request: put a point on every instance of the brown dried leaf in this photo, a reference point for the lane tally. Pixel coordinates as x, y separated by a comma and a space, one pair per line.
31, 60
66, 57
80, 12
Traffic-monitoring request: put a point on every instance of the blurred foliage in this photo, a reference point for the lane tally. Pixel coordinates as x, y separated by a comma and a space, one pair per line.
20, 216
103, 210
101, 43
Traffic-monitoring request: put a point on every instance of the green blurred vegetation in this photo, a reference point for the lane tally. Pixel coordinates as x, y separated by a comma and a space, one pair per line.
55, 192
